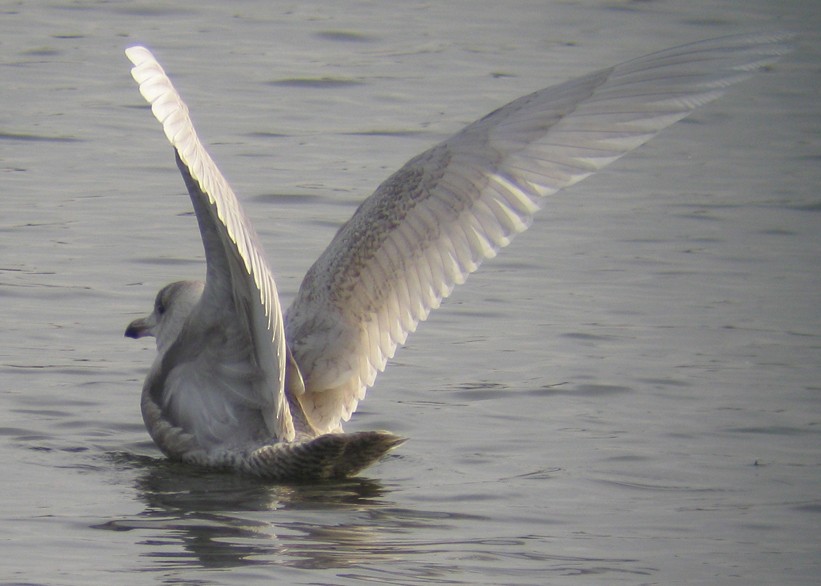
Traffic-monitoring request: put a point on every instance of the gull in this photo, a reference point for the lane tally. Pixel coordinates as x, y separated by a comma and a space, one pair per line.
240, 386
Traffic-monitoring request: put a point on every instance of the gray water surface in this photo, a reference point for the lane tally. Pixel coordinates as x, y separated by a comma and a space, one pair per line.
629, 394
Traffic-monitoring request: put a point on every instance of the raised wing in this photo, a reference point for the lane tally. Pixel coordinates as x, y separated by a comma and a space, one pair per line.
436, 219
240, 297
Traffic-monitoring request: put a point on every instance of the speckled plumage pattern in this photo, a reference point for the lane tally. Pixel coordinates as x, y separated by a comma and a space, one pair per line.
237, 385
332, 455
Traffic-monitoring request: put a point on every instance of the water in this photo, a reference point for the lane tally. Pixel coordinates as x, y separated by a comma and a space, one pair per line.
629, 394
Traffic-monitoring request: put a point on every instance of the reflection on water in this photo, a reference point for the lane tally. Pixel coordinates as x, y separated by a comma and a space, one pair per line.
210, 520
208, 514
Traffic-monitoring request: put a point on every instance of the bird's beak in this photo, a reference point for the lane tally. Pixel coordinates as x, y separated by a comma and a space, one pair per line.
139, 328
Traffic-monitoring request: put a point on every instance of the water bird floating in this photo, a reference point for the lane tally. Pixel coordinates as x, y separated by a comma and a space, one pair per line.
236, 385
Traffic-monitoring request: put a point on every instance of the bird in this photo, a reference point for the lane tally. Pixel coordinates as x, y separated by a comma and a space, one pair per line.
238, 385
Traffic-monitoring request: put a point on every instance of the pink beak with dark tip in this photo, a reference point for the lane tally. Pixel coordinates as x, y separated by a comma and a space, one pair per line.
137, 329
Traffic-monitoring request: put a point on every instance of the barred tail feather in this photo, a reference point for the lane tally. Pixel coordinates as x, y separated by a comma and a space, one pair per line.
332, 455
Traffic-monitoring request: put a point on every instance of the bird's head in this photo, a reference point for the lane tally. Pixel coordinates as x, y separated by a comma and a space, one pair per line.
172, 307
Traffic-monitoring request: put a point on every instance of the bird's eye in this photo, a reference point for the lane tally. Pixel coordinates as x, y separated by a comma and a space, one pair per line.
159, 307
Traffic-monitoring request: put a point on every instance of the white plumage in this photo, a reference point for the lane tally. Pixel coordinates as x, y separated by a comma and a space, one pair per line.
236, 385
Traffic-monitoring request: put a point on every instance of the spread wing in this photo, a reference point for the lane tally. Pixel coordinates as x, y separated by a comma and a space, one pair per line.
238, 318
435, 220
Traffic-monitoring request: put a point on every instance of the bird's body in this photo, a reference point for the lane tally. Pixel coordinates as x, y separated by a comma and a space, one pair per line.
237, 385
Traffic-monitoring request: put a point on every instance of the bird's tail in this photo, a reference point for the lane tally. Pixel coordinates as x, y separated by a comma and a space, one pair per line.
332, 455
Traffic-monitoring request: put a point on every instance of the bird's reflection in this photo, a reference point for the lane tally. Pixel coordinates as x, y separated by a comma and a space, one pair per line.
196, 517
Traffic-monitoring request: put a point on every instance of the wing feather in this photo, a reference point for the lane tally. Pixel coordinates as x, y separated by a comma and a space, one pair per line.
240, 288
436, 219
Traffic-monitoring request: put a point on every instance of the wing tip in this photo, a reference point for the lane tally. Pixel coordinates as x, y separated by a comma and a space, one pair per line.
138, 55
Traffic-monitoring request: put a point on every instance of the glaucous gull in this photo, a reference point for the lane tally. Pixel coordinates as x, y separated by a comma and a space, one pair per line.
236, 385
